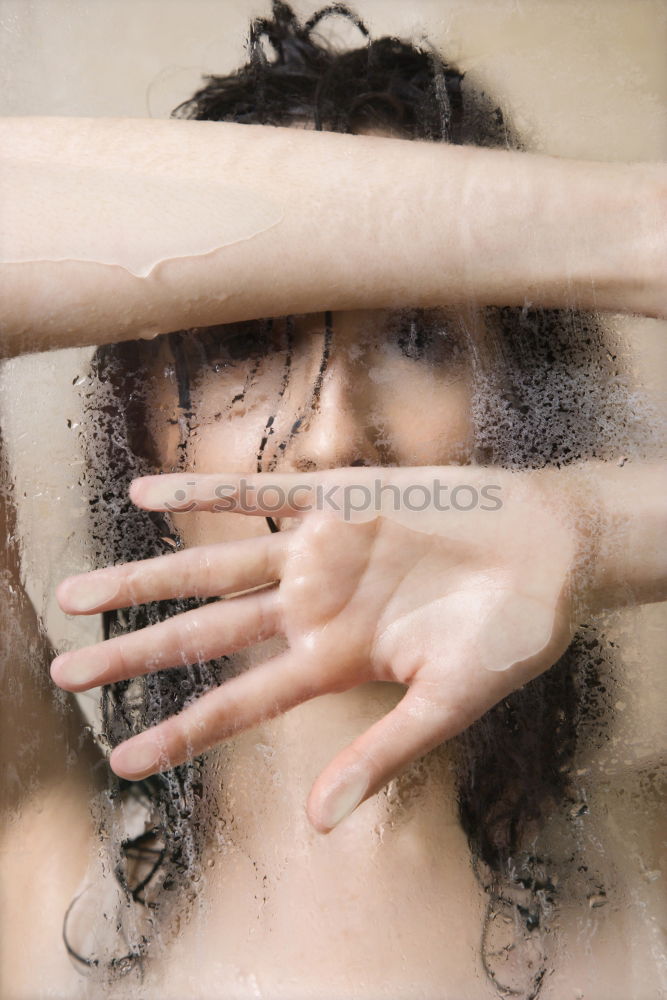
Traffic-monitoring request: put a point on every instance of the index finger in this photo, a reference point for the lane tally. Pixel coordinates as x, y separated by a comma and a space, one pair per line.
263, 494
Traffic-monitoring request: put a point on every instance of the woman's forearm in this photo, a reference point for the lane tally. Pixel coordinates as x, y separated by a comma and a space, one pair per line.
619, 512
631, 566
119, 228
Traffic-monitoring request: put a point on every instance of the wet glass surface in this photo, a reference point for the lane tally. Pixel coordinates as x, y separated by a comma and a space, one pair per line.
523, 857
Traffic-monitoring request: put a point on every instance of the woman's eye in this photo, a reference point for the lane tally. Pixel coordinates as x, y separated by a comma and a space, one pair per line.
227, 345
413, 337
423, 337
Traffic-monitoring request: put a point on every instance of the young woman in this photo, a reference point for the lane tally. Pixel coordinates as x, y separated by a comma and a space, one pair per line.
383, 371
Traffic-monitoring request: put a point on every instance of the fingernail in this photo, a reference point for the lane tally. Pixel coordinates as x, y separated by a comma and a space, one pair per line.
135, 758
134, 489
75, 672
344, 800
154, 491
89, 592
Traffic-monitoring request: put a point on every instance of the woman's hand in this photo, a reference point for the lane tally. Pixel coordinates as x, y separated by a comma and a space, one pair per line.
463, 600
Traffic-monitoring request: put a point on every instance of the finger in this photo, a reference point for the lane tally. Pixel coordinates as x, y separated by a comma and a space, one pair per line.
420, 722
193, 636
264, 494
205, 571
240, 703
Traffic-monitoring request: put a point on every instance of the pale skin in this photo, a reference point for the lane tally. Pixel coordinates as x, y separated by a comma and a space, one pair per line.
461, 609
487, 254
554, 206
467, 225
630, 278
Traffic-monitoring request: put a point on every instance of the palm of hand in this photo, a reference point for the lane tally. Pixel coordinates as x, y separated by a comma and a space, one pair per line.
382, 601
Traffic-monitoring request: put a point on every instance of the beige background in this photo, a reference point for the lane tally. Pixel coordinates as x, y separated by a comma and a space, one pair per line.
584, 78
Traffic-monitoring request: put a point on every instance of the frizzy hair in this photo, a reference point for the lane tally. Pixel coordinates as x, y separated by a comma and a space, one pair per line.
514, 764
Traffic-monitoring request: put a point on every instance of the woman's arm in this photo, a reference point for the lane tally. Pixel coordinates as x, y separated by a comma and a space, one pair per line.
115, 229
44, 750
49, 775
622, 511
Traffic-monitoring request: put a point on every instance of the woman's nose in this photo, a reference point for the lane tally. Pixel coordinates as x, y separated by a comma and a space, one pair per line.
338, 427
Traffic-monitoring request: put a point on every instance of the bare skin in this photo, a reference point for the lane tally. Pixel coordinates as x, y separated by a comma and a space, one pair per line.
535, 542
379, 600
467, 225
121, 299
45, 794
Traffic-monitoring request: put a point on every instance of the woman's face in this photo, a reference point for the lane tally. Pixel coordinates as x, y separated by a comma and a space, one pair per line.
382, 388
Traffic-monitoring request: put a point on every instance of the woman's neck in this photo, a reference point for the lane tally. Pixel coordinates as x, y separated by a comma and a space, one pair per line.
264, 776
289, 911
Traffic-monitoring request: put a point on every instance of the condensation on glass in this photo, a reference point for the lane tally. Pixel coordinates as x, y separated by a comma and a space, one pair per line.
210, 874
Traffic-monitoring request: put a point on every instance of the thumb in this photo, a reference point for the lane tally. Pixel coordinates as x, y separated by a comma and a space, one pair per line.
419, 722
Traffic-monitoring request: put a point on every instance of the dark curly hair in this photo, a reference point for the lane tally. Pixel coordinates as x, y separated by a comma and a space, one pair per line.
544, 397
